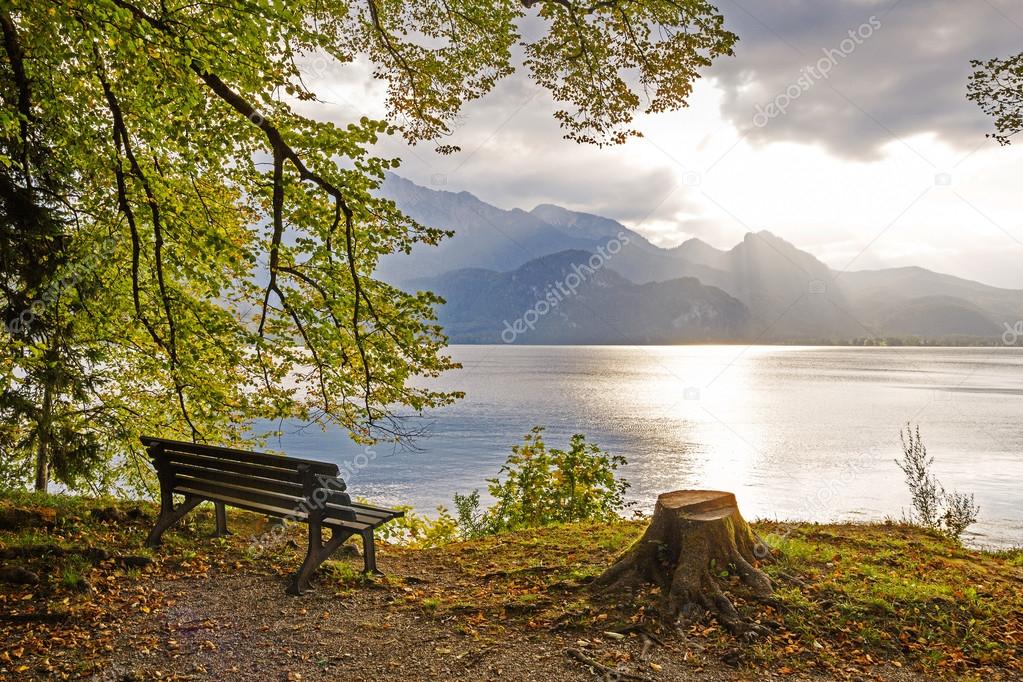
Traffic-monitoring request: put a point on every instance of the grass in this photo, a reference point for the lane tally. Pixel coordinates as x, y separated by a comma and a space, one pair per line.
846, 595
899, 593
74, 573
344, 575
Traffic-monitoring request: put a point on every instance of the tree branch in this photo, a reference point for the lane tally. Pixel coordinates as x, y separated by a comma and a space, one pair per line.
123, 142
16, 55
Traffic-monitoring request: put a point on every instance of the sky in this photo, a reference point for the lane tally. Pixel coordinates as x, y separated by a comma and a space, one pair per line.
874, 158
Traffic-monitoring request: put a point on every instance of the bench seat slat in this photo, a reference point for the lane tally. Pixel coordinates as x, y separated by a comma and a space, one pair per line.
284, 504
270, 509
290, 475
293, 505
340, 512
255, 483
342, 517
376, 512
170, 446
357, 524
380, 510
336, 497
370, 521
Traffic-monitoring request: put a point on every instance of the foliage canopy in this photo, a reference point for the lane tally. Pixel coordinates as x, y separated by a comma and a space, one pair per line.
216, 246
997, 87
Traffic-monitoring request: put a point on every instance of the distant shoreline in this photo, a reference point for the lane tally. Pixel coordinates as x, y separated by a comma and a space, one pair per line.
994, 343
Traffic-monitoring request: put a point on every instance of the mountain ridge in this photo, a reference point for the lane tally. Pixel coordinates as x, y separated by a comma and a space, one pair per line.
787, 294
541, 303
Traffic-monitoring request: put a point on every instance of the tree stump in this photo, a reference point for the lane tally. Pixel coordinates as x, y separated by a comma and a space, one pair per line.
694, 536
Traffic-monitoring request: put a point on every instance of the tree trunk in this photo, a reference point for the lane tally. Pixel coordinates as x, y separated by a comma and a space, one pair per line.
43, 446
694, 536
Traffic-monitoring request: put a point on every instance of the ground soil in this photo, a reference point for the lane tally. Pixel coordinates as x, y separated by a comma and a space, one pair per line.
238, 624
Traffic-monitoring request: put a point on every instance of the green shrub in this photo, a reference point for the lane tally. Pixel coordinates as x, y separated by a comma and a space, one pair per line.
948, 513
544, 486
421, 532
471, 521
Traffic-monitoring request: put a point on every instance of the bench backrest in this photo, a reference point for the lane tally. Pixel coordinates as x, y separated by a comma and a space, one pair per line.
258, 481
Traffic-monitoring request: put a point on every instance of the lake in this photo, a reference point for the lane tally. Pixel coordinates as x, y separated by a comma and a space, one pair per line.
796, 432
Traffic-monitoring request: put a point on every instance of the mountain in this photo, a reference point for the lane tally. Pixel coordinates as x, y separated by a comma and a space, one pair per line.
639, 260
562, 299
587, 226
788, 290
930, 301
698, 251
786, 294
485, 236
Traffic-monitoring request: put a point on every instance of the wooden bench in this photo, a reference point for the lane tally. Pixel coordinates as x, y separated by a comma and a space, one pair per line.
285, 487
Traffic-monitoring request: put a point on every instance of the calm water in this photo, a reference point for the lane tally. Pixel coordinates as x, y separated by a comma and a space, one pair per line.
796, 433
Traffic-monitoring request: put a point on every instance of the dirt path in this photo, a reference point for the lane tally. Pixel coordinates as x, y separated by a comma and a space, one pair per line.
242, 626
236, 624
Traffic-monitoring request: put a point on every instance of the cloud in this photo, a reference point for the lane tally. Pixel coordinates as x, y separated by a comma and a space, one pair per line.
893, 69
841, 173
513, 155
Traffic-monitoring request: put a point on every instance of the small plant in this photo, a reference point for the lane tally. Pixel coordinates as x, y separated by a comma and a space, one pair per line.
545, 486
948, 513
471, 520
541, 487
418, 531
961, 512
72, 575
344, 574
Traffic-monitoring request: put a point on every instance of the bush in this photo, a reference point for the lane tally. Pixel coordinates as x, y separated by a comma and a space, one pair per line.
542, 487
471, 521
948, 513
418, 531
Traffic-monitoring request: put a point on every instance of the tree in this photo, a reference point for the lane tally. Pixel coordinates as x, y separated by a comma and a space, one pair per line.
996, 85
45, 370
44, 365
239, 237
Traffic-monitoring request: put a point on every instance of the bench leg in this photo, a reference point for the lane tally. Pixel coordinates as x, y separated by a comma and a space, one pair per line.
369, 553
168, 518
317, 553
221, 513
